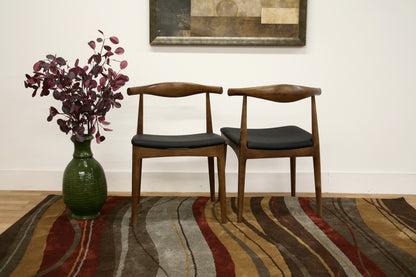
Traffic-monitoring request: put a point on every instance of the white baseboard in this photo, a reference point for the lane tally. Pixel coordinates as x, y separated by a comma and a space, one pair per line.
332, 182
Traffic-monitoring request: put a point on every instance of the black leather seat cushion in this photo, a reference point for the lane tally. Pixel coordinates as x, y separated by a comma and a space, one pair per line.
287, 137
177, 141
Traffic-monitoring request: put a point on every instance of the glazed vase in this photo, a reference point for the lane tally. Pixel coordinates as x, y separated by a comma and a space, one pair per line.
84, 185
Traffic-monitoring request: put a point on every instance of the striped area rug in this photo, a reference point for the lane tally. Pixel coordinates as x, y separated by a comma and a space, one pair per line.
183, 236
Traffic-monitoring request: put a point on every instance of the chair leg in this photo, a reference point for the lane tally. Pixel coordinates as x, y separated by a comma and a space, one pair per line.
241, 181
221, 185
135, 187
211, 177
293, 175
317, 175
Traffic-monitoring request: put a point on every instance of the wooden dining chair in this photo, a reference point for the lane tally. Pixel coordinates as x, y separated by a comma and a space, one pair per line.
275, 142
205, 144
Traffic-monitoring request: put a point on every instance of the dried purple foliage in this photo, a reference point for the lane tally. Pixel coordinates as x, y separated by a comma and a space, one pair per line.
87, 93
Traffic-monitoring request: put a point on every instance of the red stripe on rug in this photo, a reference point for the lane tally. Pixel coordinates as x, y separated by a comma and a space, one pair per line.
85, 255
55, 246
224, 265
343, 244
90, 265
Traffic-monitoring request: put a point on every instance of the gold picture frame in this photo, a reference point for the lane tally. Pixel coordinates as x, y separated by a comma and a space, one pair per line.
228, 22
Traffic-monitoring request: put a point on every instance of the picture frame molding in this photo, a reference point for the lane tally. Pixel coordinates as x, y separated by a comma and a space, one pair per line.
155, 39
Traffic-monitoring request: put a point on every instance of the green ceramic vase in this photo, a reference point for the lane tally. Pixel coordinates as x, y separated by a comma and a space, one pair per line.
84, 186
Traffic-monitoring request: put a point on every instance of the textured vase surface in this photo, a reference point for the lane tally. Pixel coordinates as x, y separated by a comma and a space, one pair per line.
84, 186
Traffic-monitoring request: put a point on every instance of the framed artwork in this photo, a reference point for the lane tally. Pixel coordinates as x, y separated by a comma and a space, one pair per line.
228, 22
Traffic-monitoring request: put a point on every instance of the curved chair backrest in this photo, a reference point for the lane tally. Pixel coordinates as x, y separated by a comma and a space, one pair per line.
174, 89
277, 93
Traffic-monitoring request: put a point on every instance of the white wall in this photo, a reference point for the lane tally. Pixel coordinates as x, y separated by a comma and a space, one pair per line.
361, 53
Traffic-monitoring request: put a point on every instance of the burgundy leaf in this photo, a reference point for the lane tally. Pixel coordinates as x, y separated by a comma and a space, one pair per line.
53, 111
37, 66
97, 137
115, 87
45, 66
61, 122
93, 84
92, 44
62, 125
111, 73
53, 69
61, 61
118, 96
56, 95
96, 70
76, 108
103, 81
76, 62
50, 57
106, 47
101, 119
108, 130
31, 81
119, 83
99, 40
87, 83
124, 77
101, 32
114, 40
119, 51
66, 108
123, 64
71, 75
97, 58
65, 129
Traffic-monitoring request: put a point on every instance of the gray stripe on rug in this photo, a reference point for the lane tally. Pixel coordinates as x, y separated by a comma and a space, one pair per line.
124, 231
196, 243
162, 227
298, 213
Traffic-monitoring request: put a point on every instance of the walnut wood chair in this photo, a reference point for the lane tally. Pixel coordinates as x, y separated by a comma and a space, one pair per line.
205, 144
286, 141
